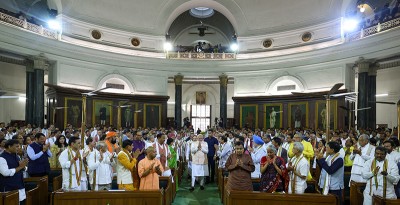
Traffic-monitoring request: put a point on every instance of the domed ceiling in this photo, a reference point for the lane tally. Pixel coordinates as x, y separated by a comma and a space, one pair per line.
154, 17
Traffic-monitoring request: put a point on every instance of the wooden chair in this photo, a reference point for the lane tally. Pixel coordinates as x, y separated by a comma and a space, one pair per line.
9, 198
378, 200
356, 193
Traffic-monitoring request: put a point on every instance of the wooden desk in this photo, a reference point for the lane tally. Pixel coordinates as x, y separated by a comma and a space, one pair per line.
42, 189
356, 193
377, 200
108, 197
259, 198
166, 184
9, 198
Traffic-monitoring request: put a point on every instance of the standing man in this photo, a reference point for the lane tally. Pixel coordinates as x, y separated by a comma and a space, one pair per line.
149, 170
39, 154
381, 174
240, 167
125, 165
361, 153
137, 145
199, 152
256, 154
11, 169
100, 164
212, 144
162, 153
72, 166
298, 168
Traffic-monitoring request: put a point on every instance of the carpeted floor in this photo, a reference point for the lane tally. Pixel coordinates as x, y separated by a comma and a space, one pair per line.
198, 197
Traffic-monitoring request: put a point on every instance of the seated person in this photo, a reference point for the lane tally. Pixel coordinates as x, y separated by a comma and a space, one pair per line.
240, 167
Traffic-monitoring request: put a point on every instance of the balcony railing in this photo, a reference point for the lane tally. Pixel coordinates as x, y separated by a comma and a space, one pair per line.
363, 33
22, 23
201, 56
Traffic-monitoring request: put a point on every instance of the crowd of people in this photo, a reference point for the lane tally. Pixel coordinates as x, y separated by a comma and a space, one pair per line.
202, 47
283, 159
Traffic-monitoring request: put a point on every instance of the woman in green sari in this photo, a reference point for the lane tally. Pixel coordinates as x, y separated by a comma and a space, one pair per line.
172, 161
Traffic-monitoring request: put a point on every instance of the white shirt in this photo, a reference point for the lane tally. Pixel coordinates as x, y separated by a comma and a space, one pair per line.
367, 153
103, 169
302, 167
256, 156
394, 155
66, 166
223, 154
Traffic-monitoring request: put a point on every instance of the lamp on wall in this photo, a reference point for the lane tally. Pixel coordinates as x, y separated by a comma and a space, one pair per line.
361, 6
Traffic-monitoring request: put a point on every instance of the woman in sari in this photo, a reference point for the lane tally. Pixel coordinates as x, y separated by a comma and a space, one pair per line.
274, 176
59, 145
172, 161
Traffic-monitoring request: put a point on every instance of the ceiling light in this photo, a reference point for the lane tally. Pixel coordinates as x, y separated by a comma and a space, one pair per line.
55, 25
167, 46
349, 25
381, 95
362, 9
234, 47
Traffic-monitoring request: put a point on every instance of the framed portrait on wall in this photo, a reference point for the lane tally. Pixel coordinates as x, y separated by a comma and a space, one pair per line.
72, 112
152, 115
273, 117
320, 114
102, 112
249, 116
201, 97
298, 114
128, 115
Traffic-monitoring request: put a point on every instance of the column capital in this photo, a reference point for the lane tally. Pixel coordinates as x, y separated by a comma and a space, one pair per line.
373, 68
364, 65
40, 62
223, 79
29, 65
178, 79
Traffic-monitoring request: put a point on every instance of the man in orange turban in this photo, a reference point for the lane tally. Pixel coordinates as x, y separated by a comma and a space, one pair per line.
111, 142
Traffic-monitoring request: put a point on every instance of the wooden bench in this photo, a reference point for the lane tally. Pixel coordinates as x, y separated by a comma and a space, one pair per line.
356, 193
378, 200
255, 197
166, 185
9, 198
107, 197
37, 192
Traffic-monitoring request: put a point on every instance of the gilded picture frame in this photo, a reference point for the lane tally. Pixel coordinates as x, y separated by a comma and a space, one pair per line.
128, 115
249, 116
298, 114
320, 115
102, 112
273, 115
152, 115
72, 111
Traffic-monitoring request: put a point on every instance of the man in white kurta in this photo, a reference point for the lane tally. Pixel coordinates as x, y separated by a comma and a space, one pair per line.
100, 168
381, 174
298, 168
199, 152
359, 156
188, 154
257, 153
72, 166
224, 151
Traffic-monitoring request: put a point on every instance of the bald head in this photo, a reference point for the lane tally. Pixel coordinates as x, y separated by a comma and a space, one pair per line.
150, 152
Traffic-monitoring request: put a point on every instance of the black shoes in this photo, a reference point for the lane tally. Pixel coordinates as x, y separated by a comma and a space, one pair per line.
192, 189
202, 187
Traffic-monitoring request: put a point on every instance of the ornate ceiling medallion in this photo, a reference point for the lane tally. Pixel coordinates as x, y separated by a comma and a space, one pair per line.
96, 34
135, 42
306, 36
267, 43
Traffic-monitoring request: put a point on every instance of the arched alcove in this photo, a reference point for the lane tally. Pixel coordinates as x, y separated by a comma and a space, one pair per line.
116, 80
284, 85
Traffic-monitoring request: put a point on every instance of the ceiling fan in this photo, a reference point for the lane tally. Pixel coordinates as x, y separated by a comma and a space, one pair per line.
382, 102
331, 93
347, 109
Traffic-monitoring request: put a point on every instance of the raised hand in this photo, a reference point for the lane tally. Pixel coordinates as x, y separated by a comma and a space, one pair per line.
376, 170
23, 163
136, 153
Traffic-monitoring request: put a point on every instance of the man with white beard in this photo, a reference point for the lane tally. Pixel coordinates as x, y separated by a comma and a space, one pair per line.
100, 163
199, 152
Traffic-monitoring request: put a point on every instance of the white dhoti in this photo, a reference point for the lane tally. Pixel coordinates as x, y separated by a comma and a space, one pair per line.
199, 171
